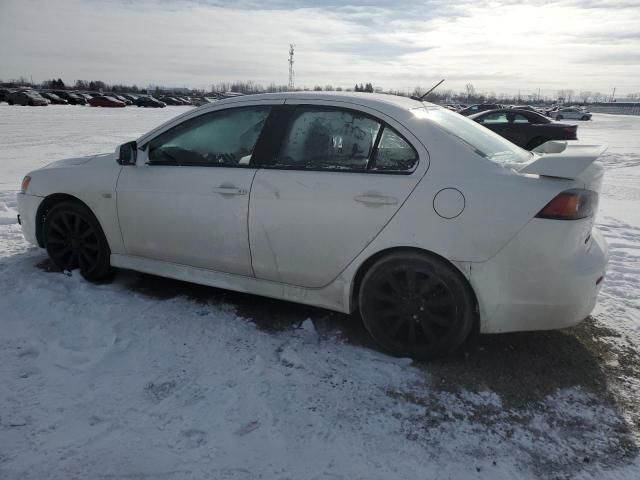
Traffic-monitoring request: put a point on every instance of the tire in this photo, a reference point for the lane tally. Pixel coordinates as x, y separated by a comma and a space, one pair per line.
536, 142
559, 117
416, 305
584, 117
74, 239
9, 102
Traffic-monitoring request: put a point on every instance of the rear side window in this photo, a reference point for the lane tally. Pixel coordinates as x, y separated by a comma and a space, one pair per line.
329, 139
343, 140
495, 118
394, 153
518, 118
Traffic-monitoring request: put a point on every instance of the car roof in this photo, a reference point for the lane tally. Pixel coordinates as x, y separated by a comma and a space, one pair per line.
392, 105
361, 98
526, 113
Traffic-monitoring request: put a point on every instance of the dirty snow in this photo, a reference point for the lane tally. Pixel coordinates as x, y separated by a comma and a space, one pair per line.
153, 378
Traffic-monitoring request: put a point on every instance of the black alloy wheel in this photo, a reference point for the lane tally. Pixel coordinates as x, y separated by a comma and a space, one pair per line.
416, 305
74, 239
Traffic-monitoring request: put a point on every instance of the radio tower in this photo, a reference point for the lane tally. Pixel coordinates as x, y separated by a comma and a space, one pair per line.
291, 47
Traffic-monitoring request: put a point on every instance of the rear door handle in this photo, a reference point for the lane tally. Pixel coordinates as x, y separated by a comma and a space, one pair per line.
376, 199
230, 191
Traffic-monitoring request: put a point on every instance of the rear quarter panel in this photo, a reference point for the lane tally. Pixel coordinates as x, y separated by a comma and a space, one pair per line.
498, 203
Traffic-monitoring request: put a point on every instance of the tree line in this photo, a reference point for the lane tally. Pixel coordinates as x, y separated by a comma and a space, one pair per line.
468, 95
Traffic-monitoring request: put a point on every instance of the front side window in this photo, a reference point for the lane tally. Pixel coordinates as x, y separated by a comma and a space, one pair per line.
328, 139
222, 138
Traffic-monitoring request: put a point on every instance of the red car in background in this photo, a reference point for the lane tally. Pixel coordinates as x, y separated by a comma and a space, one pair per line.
103, 101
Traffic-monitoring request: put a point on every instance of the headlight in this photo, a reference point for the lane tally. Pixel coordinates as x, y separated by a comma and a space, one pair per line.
25, 184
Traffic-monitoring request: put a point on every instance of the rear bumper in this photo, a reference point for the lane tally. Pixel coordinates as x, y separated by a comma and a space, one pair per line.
547, 277
27, 209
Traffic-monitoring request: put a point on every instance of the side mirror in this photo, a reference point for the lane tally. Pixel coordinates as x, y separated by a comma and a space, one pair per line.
127, 153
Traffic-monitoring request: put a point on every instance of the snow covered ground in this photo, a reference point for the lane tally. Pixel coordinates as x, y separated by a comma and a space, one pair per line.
148, 378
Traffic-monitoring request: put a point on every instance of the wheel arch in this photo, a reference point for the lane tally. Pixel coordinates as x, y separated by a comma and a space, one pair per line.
371, 260
45, 207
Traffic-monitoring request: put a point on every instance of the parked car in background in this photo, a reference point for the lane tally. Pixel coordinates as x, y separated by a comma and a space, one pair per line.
525, 128
525, 107
481, 107
444, 227
571, 113
73, 98
199, 101
106, 101
26, 97
53, 98
120, 98
170, 100
3, 94
149, 101
129, 96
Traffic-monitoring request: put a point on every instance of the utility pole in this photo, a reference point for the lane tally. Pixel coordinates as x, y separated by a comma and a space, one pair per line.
291, 48
613, 95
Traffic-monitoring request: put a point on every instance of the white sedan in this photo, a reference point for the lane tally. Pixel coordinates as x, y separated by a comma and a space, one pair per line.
571, 113
425, 222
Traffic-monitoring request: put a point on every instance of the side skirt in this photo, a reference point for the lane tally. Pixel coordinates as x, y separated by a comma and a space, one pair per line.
331, 297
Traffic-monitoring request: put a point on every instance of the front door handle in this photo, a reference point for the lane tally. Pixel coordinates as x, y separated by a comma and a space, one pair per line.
376, 199
224, 190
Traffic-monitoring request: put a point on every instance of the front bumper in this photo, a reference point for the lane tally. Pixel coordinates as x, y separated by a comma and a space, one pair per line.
547, 277
28, 209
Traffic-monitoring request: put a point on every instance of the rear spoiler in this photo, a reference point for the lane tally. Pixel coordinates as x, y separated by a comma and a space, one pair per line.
561, 160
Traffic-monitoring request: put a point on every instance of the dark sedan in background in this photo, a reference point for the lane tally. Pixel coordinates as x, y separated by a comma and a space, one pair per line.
72, 98
525, 128
53, 98
26, 97
104, 101
148, 101
480, 107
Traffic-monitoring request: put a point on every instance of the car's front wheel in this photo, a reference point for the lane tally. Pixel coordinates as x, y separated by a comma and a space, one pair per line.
416, 305
74, 239
558, 117
585, 117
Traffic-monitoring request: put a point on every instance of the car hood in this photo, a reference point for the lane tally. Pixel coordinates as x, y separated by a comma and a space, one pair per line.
90, 160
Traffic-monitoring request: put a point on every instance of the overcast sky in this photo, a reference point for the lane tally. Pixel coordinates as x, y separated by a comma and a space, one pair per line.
500, 46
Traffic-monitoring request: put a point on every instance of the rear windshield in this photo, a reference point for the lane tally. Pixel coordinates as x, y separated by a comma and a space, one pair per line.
483, 141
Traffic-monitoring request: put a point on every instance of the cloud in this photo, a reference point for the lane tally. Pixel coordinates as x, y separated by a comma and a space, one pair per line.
499, 45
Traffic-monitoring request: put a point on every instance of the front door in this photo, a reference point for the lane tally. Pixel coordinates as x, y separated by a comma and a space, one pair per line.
186, 200
338, 178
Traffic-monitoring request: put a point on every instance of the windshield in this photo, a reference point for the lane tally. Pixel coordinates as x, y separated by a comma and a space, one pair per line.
483, 141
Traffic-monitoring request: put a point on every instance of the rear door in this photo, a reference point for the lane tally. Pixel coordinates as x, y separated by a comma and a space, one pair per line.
337, 176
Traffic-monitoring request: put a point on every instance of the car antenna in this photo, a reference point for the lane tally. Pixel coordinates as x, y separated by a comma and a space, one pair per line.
421, 97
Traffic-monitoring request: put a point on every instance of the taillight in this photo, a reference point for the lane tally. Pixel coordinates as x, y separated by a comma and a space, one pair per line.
25, 184
571, 204
570, 129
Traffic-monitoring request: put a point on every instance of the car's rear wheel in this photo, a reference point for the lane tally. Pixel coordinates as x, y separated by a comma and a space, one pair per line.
536, 142
585, 117
74, 239
416, 305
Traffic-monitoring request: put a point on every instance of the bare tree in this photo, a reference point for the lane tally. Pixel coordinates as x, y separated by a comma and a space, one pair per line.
585, 95
471, 91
